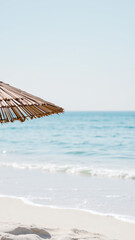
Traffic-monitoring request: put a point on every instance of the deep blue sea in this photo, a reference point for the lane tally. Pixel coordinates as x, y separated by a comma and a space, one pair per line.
82, 160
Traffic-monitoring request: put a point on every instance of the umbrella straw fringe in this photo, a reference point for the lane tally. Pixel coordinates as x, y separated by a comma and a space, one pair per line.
9, 114
19, 105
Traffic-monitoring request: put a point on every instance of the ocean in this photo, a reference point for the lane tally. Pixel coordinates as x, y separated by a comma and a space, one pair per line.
77, 160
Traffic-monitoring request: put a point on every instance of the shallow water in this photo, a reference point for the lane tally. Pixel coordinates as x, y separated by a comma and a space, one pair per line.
79, 160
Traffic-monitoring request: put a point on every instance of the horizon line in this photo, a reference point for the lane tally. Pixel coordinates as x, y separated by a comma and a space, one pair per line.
99, 110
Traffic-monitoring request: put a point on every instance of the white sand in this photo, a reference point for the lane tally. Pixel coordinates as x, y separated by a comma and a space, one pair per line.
20, 221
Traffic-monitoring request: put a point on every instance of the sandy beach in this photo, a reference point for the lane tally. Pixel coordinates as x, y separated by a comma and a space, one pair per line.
19, 220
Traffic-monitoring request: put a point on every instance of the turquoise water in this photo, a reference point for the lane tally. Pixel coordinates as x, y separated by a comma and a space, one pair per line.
82, 160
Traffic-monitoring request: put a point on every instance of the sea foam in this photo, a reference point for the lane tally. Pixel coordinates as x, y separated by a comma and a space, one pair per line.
74, 170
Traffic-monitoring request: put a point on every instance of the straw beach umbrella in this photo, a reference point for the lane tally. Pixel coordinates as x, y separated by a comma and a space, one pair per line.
16, 104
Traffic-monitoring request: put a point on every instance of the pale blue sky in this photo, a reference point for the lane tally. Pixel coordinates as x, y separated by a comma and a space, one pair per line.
79, 54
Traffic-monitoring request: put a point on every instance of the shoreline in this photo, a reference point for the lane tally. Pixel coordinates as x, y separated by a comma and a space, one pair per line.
17, 211
122, 218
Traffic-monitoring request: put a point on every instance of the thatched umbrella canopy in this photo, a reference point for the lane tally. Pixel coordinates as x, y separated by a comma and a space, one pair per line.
16, 104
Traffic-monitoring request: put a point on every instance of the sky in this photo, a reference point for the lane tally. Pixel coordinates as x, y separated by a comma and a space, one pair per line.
78, 54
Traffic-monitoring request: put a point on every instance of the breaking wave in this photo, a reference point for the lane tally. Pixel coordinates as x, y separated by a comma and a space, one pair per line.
74, 170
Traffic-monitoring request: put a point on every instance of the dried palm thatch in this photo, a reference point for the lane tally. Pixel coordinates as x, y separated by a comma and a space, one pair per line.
16, 104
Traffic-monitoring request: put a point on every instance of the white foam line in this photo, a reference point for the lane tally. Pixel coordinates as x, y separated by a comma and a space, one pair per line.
122, 218
74, 170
